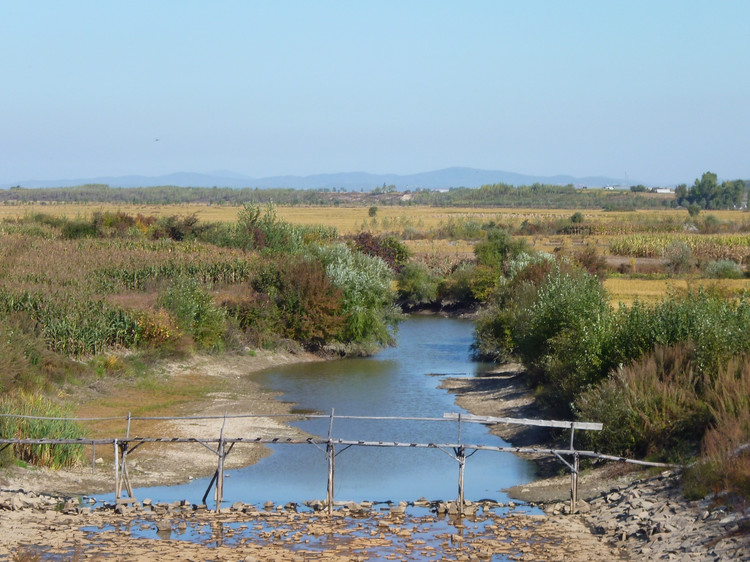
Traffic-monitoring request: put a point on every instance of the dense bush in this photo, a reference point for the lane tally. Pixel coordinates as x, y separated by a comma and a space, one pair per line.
386, 247
291, 298
498, 248
652, 407
679, 257
416, 285
365, 281
723, 269
195, 313
458, 286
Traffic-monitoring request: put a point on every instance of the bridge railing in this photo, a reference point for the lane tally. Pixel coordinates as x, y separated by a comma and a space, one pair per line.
332, 446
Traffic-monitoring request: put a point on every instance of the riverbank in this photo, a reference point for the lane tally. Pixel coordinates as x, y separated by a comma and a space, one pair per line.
624, 514
635, 512
207, 385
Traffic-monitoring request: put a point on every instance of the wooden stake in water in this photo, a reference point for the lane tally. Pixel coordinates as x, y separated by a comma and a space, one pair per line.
461, 458
331, 455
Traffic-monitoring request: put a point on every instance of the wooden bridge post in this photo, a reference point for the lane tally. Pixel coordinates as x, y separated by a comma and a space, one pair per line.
124, 467
117, 470
461, 457
574, 484
331, 455
220, 471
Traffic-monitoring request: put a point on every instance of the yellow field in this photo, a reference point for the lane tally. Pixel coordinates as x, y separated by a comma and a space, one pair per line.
625, 291
350, 220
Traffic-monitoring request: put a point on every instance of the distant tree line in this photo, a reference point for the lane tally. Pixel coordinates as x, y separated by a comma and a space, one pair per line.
708, 193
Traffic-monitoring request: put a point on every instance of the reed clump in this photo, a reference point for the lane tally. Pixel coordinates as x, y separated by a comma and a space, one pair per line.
35, 406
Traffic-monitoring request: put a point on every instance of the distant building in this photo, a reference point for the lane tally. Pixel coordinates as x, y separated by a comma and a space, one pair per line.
662, 190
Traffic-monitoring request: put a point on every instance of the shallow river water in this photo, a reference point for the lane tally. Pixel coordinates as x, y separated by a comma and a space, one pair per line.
400, 381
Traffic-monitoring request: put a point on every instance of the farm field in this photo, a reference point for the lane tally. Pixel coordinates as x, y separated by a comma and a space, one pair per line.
349, 220
427, 232
624, 291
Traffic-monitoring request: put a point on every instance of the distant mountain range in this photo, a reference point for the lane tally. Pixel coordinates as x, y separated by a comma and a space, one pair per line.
438, 179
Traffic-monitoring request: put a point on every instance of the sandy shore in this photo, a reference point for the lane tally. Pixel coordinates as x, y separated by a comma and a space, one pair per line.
154, 464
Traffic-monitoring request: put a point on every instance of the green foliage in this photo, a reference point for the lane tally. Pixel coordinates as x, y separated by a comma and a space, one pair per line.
707, 193
560, 335
576, 218
51, 456
458, 286
416, 285
72, 326
368, 310
498, 248
385, 246
260, 229
291, 298
679, 257
26, 362
724, 269
195, 313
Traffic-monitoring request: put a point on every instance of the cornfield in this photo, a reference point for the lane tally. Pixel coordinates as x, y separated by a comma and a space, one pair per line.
734, 247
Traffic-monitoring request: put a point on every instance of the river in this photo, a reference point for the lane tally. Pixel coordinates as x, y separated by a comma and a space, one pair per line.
399, 381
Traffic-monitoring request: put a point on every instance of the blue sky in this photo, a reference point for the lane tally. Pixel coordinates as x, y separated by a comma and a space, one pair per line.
655, 91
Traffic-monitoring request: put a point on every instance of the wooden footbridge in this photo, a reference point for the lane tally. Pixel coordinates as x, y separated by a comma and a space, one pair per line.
331, 446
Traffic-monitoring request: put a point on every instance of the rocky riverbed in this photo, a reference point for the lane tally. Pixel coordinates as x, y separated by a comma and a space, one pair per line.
34, 527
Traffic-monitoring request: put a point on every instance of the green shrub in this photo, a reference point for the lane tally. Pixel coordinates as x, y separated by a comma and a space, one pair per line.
724, 269
368, 309
498, 248
195, 312
416, 285
74, 229
679, 257
559, 335
458, 286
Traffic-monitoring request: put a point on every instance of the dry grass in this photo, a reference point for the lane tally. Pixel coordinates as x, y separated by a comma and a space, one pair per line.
349, 219
625, 291
149, 397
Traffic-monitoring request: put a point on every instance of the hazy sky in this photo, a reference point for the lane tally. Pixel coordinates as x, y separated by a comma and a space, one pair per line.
654, 91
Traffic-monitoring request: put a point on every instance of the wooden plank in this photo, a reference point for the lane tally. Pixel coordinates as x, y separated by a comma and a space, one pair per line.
590, 426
